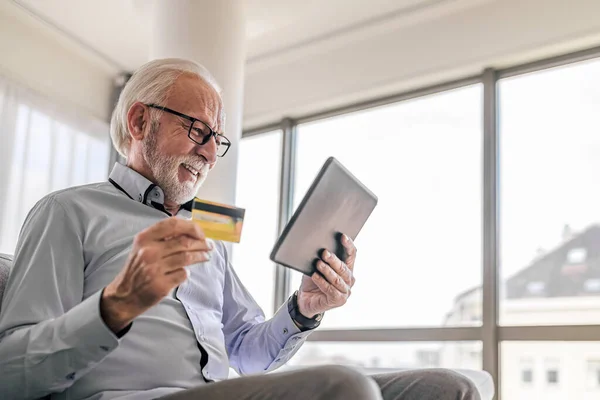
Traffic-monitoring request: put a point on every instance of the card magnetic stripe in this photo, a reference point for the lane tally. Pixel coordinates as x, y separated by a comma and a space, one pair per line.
231, 212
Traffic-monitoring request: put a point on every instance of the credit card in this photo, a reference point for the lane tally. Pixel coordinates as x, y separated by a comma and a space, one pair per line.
218, 221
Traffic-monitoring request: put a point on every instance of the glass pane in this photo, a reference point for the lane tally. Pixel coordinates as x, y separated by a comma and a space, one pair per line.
97, 160
550, 230
419, 255
42, 162
258, 177
62, 159
12, 216
379, 356
36, 172
80, 157
550, 370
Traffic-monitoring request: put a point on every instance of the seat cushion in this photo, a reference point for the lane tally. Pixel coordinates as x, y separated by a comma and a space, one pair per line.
5, 265
482, 380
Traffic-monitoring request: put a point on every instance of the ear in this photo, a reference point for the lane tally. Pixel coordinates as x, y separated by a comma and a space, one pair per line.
138, 118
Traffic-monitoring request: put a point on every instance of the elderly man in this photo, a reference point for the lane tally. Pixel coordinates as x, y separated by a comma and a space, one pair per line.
116, 294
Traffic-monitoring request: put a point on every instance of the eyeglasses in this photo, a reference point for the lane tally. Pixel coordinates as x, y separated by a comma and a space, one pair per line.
199, 132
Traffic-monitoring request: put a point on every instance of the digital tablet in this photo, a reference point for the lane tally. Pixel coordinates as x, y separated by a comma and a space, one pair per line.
335, 203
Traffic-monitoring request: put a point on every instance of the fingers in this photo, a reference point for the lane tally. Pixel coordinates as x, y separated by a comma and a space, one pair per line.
333, 277
322, 284
179, 244
350, 250
334, 296
178, 276
168, 228
182, 259
338, 266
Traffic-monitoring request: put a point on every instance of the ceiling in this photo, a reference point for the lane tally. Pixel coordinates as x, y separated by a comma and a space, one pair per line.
307, 56
117, 31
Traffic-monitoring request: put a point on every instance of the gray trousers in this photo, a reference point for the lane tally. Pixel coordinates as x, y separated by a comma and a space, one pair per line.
336, 382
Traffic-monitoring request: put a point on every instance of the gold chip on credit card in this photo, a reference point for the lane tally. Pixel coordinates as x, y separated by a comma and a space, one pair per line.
218, 221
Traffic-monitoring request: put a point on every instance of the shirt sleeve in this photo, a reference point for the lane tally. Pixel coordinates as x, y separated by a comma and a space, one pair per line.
253, 344
49, 337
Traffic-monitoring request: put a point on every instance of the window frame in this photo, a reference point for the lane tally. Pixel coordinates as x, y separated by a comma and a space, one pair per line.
491, 333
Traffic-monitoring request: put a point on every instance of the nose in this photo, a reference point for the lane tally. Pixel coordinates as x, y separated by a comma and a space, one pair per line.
208, 150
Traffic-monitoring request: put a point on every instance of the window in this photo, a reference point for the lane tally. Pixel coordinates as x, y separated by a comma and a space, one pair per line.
536, 288
549, 169
258, 192
576, 256
43, 151
592, 285
423, 158
526, 371
593, 374
420, 252
386, 356
527, 375
552, 376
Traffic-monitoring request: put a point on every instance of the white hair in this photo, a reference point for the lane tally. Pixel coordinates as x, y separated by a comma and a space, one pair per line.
152, 83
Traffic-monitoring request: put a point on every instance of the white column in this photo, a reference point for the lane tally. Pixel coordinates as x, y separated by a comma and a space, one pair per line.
212, 33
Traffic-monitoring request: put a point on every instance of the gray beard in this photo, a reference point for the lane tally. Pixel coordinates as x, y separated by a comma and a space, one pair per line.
165, 170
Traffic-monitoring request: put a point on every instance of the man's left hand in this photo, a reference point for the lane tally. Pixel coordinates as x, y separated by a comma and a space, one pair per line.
332, 287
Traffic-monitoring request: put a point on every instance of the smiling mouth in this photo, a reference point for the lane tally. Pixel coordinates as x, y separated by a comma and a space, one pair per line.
191, 169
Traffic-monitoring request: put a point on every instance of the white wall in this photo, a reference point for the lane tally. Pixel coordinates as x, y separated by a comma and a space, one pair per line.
37, 57
413, 51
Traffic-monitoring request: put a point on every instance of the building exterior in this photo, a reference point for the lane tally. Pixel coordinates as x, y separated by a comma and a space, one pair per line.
559, 287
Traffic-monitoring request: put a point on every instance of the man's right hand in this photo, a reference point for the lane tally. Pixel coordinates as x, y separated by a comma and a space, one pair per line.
155, 266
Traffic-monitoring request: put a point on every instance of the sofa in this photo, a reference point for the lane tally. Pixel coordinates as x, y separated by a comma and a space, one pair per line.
482, 379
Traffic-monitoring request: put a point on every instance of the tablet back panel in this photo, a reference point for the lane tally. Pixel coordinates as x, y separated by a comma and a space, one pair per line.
335, 203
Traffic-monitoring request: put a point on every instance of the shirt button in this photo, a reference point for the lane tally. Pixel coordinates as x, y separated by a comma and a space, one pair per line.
285, 331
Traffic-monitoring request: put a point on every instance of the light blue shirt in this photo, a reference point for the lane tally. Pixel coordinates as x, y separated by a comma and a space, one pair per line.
53, 339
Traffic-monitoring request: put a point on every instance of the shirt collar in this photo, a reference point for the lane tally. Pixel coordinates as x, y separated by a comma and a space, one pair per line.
138, 188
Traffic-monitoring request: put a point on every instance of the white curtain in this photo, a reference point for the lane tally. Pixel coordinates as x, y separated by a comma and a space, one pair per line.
44, 147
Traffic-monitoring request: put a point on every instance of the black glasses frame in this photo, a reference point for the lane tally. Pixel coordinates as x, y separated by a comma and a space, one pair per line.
222, 142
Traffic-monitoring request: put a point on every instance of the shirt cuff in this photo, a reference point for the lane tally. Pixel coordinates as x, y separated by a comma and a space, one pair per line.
283, 326
287, 334
85, 327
